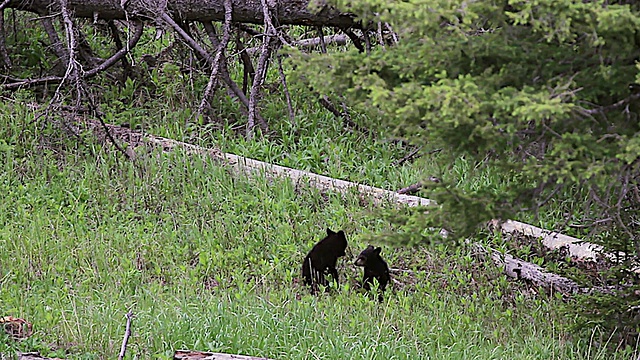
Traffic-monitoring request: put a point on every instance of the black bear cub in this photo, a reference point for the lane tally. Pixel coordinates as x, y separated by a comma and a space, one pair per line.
322, 260
374, 268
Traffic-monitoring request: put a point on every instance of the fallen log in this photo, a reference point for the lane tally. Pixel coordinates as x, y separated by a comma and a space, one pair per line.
205, 355
285, 12
552, 240
536, 275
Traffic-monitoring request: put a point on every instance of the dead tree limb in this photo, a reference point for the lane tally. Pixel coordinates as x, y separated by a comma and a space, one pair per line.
127, 334
323, 46
217, 60
354, 38
224, 72
261, 71
115, 35
247, 65
327, 104
120, 54
409, 156
133, 40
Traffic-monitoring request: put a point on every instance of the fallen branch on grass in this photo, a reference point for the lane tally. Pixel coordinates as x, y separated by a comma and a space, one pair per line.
205, 355
127, 334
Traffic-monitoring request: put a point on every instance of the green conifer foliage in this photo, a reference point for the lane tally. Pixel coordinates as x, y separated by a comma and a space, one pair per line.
545, 94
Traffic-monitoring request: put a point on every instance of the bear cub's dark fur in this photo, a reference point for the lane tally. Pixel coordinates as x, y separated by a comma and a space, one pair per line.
374, 268
322, 260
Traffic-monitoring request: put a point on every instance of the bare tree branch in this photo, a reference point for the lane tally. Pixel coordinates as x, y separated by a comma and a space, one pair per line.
261, 70
138, 27
217, 60
127, 334
248, 71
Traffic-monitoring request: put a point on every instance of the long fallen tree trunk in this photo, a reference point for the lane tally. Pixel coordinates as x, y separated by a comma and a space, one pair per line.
512, 266
286, 12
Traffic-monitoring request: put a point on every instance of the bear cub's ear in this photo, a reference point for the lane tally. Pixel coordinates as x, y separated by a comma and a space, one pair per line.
330, 232
377, 251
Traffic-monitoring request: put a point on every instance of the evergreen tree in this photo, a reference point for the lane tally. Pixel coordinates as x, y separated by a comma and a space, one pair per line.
543, 93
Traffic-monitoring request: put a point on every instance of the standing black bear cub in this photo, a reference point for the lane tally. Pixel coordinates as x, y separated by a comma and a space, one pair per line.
322, 260
374, 268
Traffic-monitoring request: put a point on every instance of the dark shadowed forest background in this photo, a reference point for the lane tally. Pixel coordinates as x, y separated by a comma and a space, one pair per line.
119, 121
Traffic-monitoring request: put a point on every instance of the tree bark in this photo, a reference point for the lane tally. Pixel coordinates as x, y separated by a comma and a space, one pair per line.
287, 12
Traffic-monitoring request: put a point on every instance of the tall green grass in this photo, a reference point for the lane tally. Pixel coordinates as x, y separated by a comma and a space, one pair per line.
209, 260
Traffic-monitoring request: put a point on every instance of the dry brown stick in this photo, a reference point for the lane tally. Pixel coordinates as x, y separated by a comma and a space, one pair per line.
115, 35
367, 41
18, 83
234, 89
408, 157
354, 38
394, 36
248, 71
380, 36
327, 104
73, 66
127, 334
287, 96
217, 60
411, 189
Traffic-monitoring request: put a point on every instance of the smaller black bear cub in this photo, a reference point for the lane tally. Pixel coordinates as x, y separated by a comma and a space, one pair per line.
374, 268
322, 260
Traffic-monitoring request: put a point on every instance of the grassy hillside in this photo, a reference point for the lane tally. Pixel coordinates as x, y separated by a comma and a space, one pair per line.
207, 260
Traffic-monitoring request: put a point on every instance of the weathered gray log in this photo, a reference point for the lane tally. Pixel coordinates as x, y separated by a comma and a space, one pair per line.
553, 240
286, 12
205, 355
538, 276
